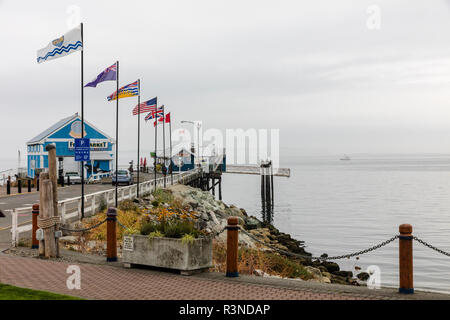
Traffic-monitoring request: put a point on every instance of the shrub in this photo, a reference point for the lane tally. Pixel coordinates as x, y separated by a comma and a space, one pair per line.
178, 229
155, 203
148, 228
155, 234
251, 259
163, 196
171, 229
128, 205
188, 239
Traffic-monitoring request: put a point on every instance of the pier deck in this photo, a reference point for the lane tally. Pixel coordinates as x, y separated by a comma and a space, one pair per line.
281, 172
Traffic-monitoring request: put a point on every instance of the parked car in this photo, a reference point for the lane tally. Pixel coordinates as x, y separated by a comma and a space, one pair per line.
123, 176
74, 177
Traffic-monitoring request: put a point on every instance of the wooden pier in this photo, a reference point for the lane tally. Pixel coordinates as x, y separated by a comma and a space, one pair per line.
281, 172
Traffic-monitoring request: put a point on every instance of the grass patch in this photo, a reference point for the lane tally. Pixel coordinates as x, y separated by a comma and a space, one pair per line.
8, 292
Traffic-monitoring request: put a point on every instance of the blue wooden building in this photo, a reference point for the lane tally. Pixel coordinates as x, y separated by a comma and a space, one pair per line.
62, 134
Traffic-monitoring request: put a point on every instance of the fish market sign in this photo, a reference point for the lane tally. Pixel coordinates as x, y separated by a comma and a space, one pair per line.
95, 145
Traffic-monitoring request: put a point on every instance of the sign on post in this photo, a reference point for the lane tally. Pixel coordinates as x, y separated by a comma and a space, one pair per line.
82, 150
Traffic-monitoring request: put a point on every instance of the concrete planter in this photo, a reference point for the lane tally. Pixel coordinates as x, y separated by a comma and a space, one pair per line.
168, 253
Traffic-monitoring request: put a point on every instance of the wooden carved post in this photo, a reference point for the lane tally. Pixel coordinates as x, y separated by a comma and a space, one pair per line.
406, 259
34, 241
42, 177
54, 180
47, 212
232, 247
111, 237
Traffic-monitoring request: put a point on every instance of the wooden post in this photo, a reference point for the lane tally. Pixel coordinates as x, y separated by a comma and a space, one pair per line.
42, 177
34, 241
47, 212
220, 188
232, 247
406, 259
111, 237
51, 149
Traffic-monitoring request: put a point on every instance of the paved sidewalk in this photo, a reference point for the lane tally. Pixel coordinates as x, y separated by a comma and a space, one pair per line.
102, 280
108, 282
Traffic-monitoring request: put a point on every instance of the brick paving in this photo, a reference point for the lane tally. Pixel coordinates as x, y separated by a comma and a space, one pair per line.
107, 282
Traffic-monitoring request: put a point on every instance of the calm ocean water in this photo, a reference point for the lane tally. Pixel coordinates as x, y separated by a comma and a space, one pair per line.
339, 207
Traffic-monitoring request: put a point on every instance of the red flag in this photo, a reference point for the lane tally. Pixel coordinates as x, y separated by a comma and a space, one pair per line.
160, 119
168, 118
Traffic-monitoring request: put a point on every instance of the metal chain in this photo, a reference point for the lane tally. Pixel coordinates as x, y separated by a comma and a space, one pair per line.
123, 227
85, 229
216, 233
382, 244
431, 247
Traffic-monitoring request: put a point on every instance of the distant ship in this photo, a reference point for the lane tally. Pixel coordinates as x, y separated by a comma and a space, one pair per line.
345, 158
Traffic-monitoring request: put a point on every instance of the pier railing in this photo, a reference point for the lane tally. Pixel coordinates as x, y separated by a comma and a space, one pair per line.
70, 209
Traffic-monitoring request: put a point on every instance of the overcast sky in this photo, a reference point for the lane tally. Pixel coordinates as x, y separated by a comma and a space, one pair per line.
313, 69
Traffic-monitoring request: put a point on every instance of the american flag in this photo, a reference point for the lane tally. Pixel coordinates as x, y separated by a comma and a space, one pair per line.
151, 115
147, 106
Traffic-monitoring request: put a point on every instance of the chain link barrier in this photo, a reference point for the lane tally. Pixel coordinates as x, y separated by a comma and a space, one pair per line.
123, 227
85, 229
303, 256
431, 247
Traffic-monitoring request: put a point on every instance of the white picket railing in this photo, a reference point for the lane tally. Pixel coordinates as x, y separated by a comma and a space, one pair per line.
71, 208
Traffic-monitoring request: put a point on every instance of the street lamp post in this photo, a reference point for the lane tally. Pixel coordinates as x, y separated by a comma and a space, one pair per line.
197, 124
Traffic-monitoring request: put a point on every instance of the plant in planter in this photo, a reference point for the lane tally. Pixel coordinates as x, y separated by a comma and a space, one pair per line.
169, 239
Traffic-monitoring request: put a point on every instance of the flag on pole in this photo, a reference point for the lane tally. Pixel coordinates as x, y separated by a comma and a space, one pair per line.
161, 119
129, 90
109, 74
146, 106
152, 114
63, 46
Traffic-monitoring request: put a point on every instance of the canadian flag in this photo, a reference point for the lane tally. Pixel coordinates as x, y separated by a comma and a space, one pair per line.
161, 119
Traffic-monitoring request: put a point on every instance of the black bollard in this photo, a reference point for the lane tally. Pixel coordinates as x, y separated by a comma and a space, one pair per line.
8, 186
29, 185
19, 186
37, 184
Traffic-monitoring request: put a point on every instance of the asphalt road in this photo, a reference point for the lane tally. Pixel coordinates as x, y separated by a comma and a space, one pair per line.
28, 199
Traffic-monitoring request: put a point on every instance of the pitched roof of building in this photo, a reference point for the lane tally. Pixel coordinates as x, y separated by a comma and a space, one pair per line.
53, 128
61, 123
